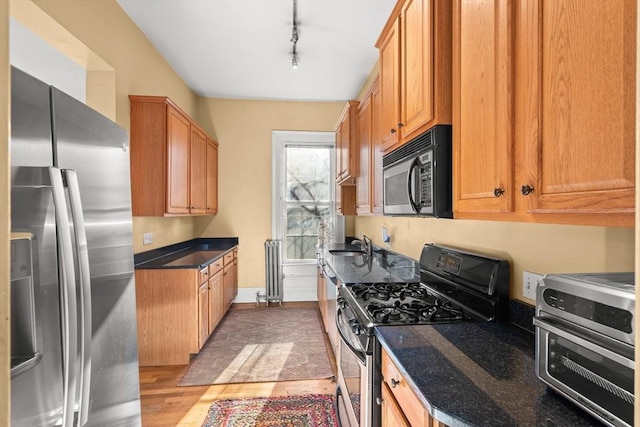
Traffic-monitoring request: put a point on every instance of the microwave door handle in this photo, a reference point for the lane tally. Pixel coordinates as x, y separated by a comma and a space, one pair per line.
414, 165
85, 295
68, 296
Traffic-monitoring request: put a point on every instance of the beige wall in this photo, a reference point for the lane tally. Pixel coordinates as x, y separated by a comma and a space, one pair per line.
243, 130
539, 248
4, 214
105, 29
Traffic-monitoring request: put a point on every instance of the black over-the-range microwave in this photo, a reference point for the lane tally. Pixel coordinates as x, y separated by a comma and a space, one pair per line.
417, 177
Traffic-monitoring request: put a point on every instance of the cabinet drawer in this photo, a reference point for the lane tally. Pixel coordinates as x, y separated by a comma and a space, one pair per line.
203, 275
215, 266
228, 258
413, 409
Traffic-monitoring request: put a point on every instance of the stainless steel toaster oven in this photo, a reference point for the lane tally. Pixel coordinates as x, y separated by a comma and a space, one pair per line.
585, 341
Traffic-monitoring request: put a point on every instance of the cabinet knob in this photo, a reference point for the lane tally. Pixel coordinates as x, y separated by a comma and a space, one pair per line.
400, 124
393, 131
498, 192
526, 190
379, 401
394, 382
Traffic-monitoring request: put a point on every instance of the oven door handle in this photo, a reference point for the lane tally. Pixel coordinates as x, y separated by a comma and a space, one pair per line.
356, 349
543, 323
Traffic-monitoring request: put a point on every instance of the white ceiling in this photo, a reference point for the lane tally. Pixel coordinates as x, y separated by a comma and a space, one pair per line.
242, 48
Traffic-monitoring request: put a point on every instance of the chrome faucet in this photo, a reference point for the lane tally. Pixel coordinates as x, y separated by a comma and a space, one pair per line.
365, 244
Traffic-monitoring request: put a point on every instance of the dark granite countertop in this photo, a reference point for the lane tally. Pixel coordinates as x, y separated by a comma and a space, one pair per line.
382, 266
478, 374
196, 253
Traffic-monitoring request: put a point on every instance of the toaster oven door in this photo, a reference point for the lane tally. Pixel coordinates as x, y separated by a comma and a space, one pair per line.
593, 371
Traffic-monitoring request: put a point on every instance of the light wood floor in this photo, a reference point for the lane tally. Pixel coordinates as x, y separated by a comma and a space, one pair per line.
166, 404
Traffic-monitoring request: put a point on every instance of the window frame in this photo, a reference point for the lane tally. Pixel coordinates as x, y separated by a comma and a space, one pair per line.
281, 140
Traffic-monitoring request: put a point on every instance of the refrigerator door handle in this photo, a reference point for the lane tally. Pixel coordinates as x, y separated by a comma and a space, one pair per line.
85, 294
68, 297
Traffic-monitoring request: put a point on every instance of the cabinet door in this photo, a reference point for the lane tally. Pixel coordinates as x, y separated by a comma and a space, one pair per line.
228, 286
346, 199
347, 143
216, 300
198, 172
577, 128
416, 75
235, 278
203, 313
390, 86
322, 296
483, 138
178, 133
339, 167
392, 415
363, 192
212, 176
376, 151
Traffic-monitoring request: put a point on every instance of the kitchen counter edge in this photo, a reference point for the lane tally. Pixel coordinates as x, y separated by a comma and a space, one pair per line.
467, 383
159, 258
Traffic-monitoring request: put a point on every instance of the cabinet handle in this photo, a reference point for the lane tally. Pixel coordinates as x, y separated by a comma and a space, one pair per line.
400, 124
393, 131
379, 401
526, 190
394, 382
498, 192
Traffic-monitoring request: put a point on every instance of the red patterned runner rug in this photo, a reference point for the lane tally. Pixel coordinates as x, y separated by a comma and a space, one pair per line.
311, 410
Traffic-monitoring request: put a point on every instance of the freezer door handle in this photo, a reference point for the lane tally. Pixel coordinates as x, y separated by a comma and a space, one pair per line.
68, 296
85, 294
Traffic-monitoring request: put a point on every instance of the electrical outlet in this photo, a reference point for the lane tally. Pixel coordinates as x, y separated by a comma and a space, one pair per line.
147, 238
386, 238
529, 284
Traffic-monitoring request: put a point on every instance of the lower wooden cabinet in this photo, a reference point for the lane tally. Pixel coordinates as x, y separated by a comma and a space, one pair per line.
216, 294
178, 309
230, 278
322, 297
400, 405
203, 310
392, 415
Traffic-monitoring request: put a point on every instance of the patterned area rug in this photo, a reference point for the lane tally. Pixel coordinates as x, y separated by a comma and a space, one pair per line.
262, 344
312, 410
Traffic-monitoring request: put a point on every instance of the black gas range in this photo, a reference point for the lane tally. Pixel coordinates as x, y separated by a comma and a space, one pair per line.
454, 286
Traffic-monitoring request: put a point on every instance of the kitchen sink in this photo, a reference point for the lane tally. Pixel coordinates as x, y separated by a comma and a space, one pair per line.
345, 252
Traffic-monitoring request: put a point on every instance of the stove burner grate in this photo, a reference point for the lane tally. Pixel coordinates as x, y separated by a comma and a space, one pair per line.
389, 303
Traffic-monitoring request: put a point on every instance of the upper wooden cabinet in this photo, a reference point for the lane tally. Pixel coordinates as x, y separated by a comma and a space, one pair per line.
544, 111
172, 168
198, 171
369, 180
177, 164
363, 181
415, 70
347, 144
212, 177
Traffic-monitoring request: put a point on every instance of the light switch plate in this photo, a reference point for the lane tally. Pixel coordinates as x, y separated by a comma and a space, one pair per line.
147, 238
529, 284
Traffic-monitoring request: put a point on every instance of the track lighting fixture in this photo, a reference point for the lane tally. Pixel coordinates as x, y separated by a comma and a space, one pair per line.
294, 36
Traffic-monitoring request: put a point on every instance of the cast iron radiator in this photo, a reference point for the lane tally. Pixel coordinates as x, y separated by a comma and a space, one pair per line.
273, 273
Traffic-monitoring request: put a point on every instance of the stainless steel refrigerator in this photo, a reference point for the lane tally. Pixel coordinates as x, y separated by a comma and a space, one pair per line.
73, 321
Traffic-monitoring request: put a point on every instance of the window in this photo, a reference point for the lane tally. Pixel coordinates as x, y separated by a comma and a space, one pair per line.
307, 198
303, 194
